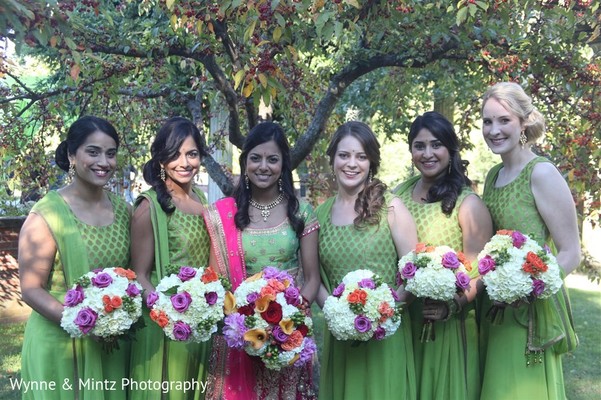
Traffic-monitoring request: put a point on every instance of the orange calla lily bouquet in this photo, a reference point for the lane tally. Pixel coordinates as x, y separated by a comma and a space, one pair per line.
268, 318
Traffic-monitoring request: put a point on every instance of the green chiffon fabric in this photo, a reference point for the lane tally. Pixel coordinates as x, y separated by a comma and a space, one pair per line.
279, 247
374, 369
79, 368
447, 368
181, 240
509, 370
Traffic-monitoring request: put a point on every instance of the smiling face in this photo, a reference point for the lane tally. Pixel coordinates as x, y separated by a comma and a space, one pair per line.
184, 167
264, 166
350, 164
429, 155
96, 159
500, 127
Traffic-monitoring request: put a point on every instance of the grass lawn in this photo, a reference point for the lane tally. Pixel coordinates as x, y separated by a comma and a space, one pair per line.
582, 368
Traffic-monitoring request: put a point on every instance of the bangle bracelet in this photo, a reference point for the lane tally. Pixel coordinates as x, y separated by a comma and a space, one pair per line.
453, 307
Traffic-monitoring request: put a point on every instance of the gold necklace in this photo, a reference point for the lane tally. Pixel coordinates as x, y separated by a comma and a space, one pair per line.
265, 209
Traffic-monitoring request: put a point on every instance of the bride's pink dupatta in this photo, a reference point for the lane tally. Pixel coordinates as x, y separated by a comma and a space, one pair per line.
231, 375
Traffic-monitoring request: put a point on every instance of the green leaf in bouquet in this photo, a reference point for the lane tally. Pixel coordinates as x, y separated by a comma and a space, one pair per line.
172, 269
84, 281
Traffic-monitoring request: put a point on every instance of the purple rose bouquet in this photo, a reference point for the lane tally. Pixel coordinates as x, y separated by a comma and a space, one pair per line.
436, 273
105, 303
269, 318
362, 307
188, 303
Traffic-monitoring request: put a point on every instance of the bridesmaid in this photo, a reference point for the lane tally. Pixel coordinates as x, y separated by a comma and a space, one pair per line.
264, 224
446, 212
71, 231
168, 229
361, 227
526, 193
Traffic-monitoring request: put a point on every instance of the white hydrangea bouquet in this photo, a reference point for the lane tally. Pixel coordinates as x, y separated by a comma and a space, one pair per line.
515, 267
434, 272
362, 307
270, 319
106, 303
188, 304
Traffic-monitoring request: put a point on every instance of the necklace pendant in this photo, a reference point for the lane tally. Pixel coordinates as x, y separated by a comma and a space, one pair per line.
265, 214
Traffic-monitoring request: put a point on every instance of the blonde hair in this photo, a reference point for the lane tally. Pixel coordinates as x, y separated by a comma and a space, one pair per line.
513, 97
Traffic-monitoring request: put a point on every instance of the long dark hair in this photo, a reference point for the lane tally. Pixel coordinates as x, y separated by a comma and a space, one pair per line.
370, 200
77, 135
164, 149
448, 187
263, 133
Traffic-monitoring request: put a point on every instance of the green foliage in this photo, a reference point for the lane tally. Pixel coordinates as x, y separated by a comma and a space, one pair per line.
139, 62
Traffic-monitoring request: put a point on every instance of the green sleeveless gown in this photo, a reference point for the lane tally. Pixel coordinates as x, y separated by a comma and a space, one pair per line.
279, 247
506, 374
78, 367
375, 369
448, 366
180, 239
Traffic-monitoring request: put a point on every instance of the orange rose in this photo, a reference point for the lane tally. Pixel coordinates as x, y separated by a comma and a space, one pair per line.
294, 340
209, 275
268, 291
126, 273
276, 285
504, 232
534, 264
420, 248
159, 317
463, 260
357, 296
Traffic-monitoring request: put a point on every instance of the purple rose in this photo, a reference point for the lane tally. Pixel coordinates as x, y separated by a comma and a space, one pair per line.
181, 331
395, 295
279, 335
367, 283
270, 273
398, 278
450, 260
86, 319
339, 290
252, 297
538, 287
518, 239
306, 354
74, 296
102, 280
132, 290
186, 273
292, 296
181, 301
462, 280
486, 264
380, 333
151, 299
211, 298
408, 270
362, 323
234, 330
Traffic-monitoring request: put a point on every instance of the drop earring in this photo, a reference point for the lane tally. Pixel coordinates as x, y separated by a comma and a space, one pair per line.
280, 185
523, 139
449, 169
71, 172
162, 174
246, 182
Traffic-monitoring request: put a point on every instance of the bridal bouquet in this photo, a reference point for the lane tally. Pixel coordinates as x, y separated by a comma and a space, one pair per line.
268, 318
105, 303
362, 307
436, 273
188, 304
514, 267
